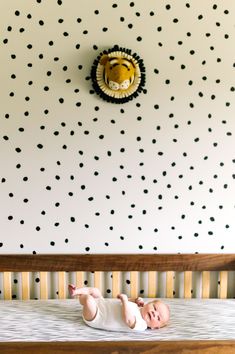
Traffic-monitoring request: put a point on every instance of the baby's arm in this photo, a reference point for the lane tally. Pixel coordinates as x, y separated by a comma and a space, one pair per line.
127, 314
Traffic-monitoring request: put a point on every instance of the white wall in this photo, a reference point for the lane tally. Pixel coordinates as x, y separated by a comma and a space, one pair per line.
175, 177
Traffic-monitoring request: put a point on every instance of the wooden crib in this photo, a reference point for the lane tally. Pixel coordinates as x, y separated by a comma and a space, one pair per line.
116, 263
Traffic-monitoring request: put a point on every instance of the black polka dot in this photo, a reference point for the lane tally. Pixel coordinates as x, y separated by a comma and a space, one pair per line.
93, 156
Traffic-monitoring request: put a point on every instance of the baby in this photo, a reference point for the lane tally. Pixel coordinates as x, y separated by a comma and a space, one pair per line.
120, 314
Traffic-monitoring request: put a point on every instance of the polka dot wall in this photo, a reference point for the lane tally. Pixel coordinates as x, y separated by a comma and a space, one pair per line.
82, 175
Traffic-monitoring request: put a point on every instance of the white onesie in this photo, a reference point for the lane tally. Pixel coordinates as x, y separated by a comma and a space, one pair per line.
109, 316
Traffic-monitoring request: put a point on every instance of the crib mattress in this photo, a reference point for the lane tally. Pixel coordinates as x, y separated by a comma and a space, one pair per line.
61, 320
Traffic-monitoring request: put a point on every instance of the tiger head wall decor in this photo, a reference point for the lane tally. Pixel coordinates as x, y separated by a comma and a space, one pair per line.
117, 75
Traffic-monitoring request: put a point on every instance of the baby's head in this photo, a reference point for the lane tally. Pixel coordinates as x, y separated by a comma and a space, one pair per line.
156, 314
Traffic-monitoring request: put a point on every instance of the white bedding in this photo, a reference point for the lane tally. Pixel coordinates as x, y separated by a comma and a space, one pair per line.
60, 320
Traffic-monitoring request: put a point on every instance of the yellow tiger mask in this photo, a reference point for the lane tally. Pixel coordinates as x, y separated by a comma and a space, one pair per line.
119, 73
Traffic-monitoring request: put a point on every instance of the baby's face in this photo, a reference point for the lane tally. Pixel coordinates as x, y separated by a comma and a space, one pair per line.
156, 314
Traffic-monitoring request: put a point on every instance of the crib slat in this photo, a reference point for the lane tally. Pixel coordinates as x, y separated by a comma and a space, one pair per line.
25, 286
79, 279
187, 284
152, 284
223, 284
134, 284
43, 286
205, 285
97, 280
169, 284
7, 286
61, 285
116, 283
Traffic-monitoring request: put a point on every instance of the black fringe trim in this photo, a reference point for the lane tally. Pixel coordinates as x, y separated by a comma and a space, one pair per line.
102, 94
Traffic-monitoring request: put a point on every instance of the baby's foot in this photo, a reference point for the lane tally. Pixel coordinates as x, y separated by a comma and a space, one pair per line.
72, 290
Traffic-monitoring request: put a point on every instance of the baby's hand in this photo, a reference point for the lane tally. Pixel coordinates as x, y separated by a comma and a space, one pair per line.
139, 301
122, 297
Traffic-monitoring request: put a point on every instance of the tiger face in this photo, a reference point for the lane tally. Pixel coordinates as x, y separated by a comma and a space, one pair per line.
119, 73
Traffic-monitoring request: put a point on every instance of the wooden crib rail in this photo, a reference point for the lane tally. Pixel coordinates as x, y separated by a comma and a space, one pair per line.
186, 263
122, 347
117, 262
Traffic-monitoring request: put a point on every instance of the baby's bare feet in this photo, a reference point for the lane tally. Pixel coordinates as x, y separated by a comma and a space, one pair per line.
72, 290
139, 301
122, 297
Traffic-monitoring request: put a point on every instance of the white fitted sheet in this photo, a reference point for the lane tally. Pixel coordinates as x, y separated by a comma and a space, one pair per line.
61, 320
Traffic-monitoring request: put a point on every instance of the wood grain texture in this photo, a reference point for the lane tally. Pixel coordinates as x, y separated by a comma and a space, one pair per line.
187, 284
116, 284
79, 279
61, 285
152, 284
25, 286
205, 285
169, 284
131, 347
115, 262
97, 280
223, 285
7, 285
43, 286
134, 285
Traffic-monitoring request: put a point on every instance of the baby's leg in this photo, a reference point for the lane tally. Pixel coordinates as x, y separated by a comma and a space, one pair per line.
89, 306
95, 292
